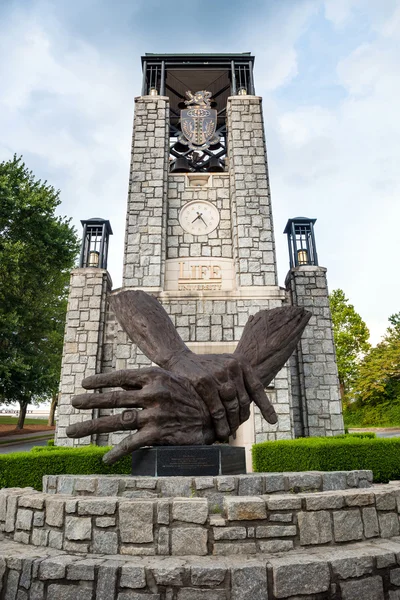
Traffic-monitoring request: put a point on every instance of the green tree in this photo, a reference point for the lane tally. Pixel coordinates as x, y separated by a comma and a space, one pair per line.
37, 251
351, 336
378, 380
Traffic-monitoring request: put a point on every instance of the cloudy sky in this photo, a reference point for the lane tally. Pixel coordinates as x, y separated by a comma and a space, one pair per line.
329, 75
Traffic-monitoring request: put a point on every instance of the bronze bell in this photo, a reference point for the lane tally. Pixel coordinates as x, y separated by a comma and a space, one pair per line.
215, 165
181, 165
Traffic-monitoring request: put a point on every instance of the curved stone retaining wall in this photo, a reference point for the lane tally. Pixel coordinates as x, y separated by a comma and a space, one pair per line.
192, 526
363, 571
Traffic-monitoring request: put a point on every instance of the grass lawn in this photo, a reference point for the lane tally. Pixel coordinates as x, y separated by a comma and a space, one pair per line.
14, 420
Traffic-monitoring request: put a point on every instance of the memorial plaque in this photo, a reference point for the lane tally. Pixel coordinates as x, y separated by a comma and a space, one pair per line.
167, 461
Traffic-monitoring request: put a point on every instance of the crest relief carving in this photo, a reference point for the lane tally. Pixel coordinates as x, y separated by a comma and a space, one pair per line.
198, 121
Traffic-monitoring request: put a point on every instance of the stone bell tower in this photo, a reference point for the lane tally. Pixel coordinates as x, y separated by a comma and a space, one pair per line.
199, 229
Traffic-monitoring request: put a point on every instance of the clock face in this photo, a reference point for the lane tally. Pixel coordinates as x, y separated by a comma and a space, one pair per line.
199, 217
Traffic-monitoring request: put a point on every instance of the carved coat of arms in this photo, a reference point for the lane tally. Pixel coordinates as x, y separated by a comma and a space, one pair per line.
198, 121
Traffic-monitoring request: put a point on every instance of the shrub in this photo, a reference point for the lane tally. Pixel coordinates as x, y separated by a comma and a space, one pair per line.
23, 469
339, 453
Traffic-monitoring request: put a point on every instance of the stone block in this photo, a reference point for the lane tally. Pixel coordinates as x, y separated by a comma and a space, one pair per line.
385, 500
136, 521
274, 546
287, 502
38, 519
231, 548
83, 570
305, 576
334, 481
270, 531
385, 560
107, 580
250, 485
281, 517
395, 577
361, 498
370, 520
207, 575
55, 512
351, 565
229, 533
249, 581
176, 487
12, 502
247, 508
225, 484
370, 588
388, 524
105, 542
96, 506
24, 519
55, 539
170, 573
315, 527
304, 481
347, 525
186, 541
324, 501
32, 501
55, 567
190, 510
163, 511
196, 594
133, 577
78, 528
204, 483
107, 486
105, 522
274, 482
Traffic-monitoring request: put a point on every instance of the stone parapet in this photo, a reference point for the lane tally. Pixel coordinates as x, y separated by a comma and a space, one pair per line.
205, 487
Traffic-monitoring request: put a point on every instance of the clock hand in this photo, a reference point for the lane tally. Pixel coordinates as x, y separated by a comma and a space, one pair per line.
203, 220
198, 217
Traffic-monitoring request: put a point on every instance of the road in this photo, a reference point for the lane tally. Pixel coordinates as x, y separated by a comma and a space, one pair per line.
22, 446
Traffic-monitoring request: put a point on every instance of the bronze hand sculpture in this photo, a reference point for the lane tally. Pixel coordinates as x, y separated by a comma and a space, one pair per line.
192, 399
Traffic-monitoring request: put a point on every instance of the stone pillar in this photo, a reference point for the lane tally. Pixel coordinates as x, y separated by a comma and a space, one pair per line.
83, 344
252, 227
317, 408
147, 206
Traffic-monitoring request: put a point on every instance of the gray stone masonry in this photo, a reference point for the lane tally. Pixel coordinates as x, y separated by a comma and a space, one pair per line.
83, 344
252, 227
144, 258
139, 522
206, 487
361, 570
317, 407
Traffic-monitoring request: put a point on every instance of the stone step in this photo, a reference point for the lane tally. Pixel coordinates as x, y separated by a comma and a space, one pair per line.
191, 526
358, 571
253, 484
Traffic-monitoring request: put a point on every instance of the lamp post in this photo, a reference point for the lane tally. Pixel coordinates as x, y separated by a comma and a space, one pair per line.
94, 249
301, 242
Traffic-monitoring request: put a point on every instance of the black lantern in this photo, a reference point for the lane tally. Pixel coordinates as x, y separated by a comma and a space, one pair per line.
94, 248
301, 241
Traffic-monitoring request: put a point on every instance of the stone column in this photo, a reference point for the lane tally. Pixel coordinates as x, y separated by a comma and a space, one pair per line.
83, 345
317, 408
147, 206
252, 227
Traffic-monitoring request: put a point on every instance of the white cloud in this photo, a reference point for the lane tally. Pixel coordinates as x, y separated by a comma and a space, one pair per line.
341, 165
68, 107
